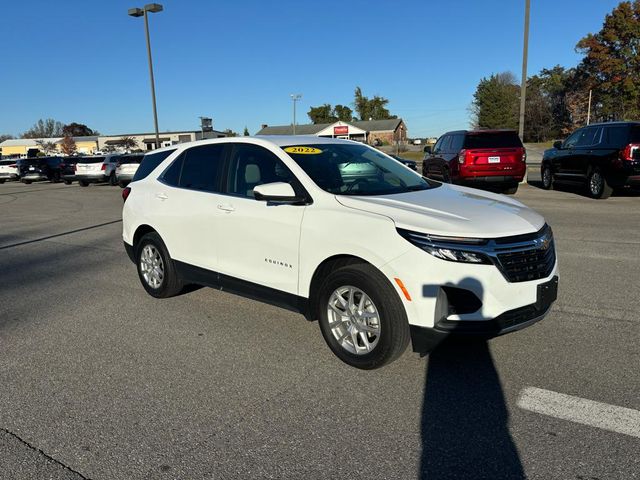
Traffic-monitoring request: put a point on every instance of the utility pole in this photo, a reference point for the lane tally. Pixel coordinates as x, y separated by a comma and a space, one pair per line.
295, 97
589, 108
525, 52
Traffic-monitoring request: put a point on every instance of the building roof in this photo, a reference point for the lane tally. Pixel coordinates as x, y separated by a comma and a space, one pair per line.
312, 129
32, 142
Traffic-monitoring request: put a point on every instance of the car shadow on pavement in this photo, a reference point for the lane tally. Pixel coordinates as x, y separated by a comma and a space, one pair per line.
464, 425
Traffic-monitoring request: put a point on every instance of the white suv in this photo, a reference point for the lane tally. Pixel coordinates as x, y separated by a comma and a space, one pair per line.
97, 168
344, 234
8, 170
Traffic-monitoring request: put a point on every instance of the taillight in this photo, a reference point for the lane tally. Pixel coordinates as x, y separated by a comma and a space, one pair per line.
524, 155
631, 152
461, 156
125, 193
103, 167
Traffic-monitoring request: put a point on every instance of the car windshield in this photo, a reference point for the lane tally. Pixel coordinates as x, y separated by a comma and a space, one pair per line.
354, 169
492, 140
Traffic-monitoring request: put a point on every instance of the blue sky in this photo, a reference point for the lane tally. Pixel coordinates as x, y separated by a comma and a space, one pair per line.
85, 61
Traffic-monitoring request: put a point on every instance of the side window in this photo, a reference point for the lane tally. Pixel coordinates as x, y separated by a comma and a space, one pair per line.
445, 145
438, 145
456, 143
171, 175
252, 165
201, 168
617, 137
589, 136
573, 139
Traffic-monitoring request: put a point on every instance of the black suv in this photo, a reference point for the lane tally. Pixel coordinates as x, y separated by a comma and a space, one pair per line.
602, 156
40, 168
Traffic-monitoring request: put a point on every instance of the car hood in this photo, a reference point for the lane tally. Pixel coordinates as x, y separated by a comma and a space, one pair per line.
451, 210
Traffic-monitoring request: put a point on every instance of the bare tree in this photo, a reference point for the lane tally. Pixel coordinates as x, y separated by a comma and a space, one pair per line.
46, 146
68, 146
48, 128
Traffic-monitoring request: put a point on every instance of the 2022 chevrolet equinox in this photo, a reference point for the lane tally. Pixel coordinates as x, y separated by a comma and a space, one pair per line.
344, 234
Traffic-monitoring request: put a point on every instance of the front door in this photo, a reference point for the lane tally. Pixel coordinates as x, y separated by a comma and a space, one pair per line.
259, 241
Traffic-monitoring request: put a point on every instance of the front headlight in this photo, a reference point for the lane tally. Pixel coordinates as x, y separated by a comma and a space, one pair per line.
451, 249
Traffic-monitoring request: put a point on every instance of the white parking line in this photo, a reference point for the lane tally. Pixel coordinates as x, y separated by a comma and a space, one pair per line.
580, 410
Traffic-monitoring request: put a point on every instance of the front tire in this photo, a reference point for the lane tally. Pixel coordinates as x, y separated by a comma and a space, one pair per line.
156, 269
597, 185
547, 177
362, 318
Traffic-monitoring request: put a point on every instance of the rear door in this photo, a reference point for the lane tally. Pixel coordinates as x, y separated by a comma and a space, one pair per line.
585, 153
184, 205
563, 161
259, 241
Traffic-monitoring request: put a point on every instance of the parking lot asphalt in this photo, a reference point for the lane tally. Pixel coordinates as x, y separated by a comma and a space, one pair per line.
99, 380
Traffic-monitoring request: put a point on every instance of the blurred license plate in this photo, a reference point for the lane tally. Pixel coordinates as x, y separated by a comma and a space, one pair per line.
494, 159
32, 168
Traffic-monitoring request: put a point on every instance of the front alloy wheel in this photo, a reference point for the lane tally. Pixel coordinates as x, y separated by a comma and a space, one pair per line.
354, 320
547, 178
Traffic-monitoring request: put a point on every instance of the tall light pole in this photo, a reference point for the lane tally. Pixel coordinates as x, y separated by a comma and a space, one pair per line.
525, 52
143, 12
295, 97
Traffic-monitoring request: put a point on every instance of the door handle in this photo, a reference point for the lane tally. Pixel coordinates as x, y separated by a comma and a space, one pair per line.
161, 196
227, 208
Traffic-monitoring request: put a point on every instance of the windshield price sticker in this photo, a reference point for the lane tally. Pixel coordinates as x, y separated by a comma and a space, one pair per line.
303, 150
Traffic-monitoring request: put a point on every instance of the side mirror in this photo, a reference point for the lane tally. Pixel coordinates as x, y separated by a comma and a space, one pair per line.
557, 145
279, 192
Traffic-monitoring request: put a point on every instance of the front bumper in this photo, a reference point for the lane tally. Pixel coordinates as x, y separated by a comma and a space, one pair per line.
424, 339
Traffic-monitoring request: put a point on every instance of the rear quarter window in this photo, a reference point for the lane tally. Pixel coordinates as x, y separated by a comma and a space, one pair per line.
634, 136
150, 162
492, 140
616, 137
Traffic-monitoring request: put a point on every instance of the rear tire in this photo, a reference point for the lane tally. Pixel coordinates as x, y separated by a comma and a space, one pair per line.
597, 185
122, 184
113, 181
510, 191
27, 182
446, 177
547, 177
378, 338
156, 269
67, 182
2, 181
83, 183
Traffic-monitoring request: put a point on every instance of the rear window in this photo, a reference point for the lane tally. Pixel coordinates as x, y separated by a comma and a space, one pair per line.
130, 159
91, 159
635, 134
7, 162
492, 140
150, 162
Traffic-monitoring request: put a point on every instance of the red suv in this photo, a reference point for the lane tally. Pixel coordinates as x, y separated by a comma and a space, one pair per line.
491, 159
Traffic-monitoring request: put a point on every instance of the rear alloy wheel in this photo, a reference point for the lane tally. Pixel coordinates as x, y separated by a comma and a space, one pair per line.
598, 186
547, 178
83, 183
155, 267
362, 318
